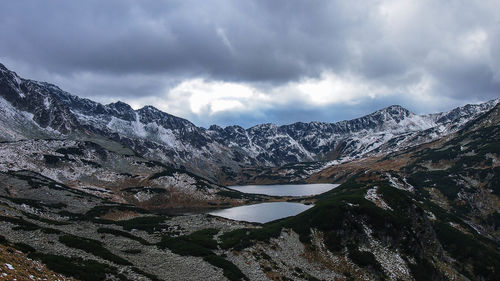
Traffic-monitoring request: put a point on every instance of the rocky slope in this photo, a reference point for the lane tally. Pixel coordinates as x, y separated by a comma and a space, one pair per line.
57, 228
109, 170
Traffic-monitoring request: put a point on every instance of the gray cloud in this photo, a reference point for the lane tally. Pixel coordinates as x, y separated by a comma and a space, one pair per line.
120, 49
281, 40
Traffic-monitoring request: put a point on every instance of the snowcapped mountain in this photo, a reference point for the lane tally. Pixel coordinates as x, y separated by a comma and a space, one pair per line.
42, 110
39, 110
391, 128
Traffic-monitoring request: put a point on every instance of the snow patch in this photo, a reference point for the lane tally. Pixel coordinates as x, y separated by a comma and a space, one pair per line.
373, 196
394, 265
430, 215
142, 196
46, 102
9, 266
402, 185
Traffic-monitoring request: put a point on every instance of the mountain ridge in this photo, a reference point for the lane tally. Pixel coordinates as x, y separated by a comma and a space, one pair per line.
170, 139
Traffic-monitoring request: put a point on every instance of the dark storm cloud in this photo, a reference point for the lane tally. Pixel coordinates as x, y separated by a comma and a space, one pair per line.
281, 40
426, 52
467, 79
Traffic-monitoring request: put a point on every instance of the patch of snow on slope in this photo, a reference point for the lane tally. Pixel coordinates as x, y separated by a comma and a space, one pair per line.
403, 185
142, 196
46, 102
9, 266
373, 196
166, 136
394, 265
138, 127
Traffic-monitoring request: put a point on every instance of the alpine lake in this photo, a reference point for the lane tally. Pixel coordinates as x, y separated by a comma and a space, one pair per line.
266, 212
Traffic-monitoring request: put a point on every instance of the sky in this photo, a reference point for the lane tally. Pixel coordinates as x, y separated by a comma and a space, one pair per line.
249, 62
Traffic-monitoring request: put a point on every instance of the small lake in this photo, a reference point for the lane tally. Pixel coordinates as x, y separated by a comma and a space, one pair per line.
263, 212
286, 189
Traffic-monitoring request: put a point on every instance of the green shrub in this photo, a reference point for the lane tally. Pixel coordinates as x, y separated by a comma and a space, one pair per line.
364, 259
231, 271
50, 230
184, 248
423, 270
117, 232
70, 151
201, 244
132, 251
469, 249
231, 194
438, 179
146, 223
98, 211
85, 270
3, 240
52, 159
91, 246
25, 248
21, 223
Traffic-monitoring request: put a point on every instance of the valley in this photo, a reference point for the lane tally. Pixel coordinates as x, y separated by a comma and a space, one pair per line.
105, 192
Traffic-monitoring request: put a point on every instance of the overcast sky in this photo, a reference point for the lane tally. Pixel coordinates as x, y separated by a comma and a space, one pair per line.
250, 62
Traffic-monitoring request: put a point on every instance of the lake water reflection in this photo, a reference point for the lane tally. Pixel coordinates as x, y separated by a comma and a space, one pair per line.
286, 189
263, 212
266, 212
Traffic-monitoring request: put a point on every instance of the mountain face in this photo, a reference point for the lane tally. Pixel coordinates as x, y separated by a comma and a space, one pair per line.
40, 110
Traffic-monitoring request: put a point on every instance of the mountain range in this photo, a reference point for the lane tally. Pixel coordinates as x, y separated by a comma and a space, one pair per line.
32, 109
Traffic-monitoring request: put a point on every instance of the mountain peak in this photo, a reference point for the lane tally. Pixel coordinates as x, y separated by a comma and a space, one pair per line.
150, 108
395, 109
395, 112
119, 105
265, 126
150, 114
